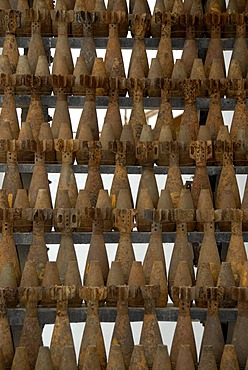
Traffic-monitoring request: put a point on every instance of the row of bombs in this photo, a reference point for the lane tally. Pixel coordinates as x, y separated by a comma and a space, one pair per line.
150, 354
32, 74
163, 208
189, 66
113, 65
140, 138
124, 270
144, 151
174, 195
138, 359
179, 16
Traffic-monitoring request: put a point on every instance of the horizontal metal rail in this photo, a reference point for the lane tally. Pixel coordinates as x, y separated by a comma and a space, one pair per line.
113, 237
77, 102
126, 43
132, 170
106, 314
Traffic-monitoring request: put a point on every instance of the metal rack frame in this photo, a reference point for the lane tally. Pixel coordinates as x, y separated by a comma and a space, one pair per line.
108, 314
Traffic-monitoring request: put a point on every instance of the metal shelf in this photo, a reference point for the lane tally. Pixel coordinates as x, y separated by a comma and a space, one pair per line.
126, 43
113, 237
23, 101
106, 314
132, 170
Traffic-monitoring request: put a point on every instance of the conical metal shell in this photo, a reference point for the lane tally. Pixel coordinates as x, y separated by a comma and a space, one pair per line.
8, 250
186, 202
125, 254
10, 49
214, 119
12, 179
93, 184
8, 278
115, 361
43, 200
204, 202
31, 335
91, 360
25, 134
144, 201
97, 252
239, 339
62, 50
92, 336
148, 181
61, 338
123, 200
20, 360
65, 254
21, 201
198, 73
2, 360
39, 180
99, 71
6, 343
226, 279
185, 358
88, 116
215, 51
29, 275
154, 74
115, 276
136, 278
5, 133
50, 277
150, 336
164, 52
204, 279
79, 69
46, 134
229, 359
165, 202
120, 181
61, 113
155, 27
68, 358
67, 180
44, 359
227, 181
244, 275
213, 334
122, 334
93, 275
36, 47
174, 182
161, 359
8, 112
113, 52
158, 277
182, 251
82, 203
209, 251
42, 69
104, 203
138, 359
154, 252
207, 359
184, 334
